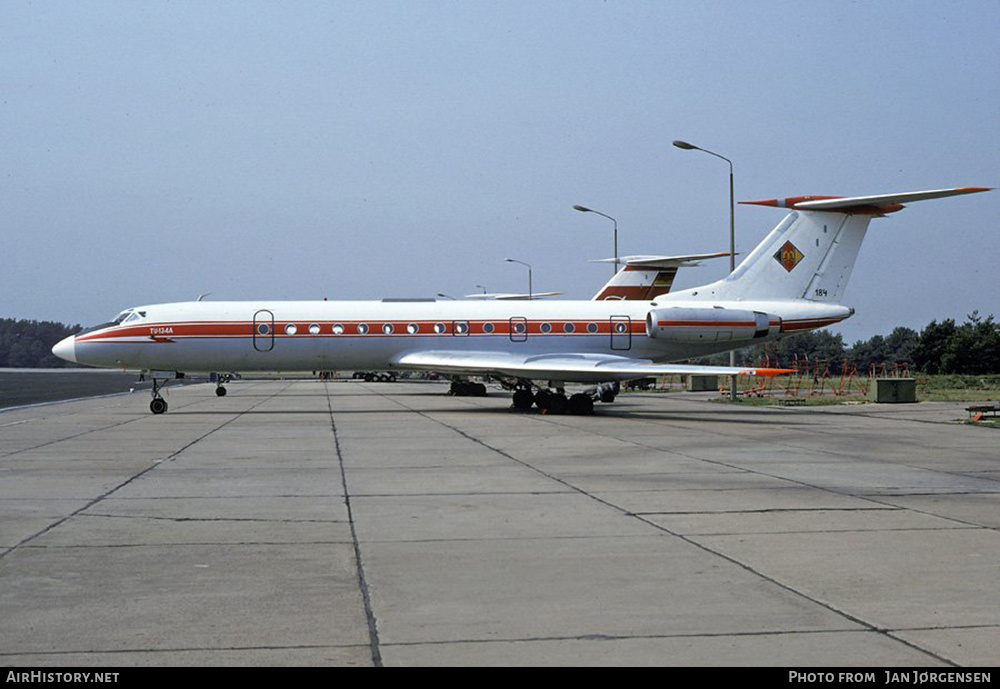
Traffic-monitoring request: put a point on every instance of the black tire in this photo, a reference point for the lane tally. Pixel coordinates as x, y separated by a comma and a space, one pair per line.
523, 399
368, 377
158, 405
479, 390
581, 404
220, 391
557, 403
608, 396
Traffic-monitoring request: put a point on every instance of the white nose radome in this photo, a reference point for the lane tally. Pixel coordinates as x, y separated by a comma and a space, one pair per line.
66, 349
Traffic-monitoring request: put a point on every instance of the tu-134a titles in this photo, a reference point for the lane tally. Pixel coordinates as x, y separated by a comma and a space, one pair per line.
793, 281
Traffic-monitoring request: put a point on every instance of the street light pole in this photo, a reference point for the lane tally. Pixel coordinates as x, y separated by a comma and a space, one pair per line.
528, 265
584, 209
684, 145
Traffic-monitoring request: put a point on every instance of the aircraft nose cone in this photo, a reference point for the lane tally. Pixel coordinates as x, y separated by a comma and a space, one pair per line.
66, 349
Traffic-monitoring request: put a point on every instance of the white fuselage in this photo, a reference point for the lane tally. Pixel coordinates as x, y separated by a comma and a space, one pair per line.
327, 335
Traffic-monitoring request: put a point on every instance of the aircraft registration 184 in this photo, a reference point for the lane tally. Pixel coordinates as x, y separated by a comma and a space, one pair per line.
793, 281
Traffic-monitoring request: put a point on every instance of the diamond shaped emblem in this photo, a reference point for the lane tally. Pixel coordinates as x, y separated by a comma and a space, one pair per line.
788, 256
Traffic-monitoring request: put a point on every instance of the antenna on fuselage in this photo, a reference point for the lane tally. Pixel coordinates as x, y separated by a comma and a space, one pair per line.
202, 296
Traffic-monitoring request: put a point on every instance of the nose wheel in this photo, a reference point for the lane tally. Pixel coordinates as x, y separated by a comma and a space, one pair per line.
158, 405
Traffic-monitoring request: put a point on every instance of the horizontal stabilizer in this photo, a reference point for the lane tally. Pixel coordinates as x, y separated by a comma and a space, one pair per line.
661, 261
878, 204
510, 296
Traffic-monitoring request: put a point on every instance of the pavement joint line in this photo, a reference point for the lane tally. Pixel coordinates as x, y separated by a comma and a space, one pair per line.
884, 416
174, 544
629, 637
702, 534
128, 481
746, 567
779, 510
758, 472
374, 644
140, 417
239, 520
182, 649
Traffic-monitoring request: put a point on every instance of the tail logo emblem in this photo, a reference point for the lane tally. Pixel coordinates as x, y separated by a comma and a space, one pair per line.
788, 256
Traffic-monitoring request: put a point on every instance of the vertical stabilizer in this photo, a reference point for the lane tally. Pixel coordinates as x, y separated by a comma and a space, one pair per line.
809, 255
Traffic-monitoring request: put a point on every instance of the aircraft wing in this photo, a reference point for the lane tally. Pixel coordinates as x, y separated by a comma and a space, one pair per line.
570, 368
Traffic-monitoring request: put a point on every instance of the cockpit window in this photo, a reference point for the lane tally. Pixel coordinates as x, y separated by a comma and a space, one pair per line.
127, 316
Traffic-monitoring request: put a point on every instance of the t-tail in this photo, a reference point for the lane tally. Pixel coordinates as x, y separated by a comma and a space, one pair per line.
811, 253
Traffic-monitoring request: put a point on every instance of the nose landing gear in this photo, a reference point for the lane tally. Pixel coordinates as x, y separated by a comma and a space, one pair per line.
158, 405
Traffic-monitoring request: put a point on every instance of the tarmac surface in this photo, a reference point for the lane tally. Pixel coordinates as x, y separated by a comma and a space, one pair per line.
348, 523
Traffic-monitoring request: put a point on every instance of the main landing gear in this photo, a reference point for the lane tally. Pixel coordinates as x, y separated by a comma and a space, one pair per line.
465, 388
552, 401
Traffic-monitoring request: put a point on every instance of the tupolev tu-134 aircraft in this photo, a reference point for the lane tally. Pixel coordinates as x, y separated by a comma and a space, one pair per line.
792, 282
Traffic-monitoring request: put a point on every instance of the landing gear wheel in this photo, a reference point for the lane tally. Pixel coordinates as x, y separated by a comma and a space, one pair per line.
220, 391
607, 397
523, 399
552, 402
581, 404
158, 405
558, 403
478, 390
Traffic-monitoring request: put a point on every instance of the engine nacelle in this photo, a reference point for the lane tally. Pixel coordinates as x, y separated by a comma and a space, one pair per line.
685, 324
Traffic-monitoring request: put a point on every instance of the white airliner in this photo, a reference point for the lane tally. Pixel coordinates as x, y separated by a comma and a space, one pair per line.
793, 281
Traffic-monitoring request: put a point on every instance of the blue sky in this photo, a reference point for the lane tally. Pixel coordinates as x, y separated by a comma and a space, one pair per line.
154, 151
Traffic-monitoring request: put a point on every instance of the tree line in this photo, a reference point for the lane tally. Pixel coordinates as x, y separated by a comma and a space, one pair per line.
972, 347
28, 344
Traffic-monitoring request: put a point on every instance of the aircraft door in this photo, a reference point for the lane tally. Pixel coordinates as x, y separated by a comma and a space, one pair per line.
621, 333
263, 331
518, 329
